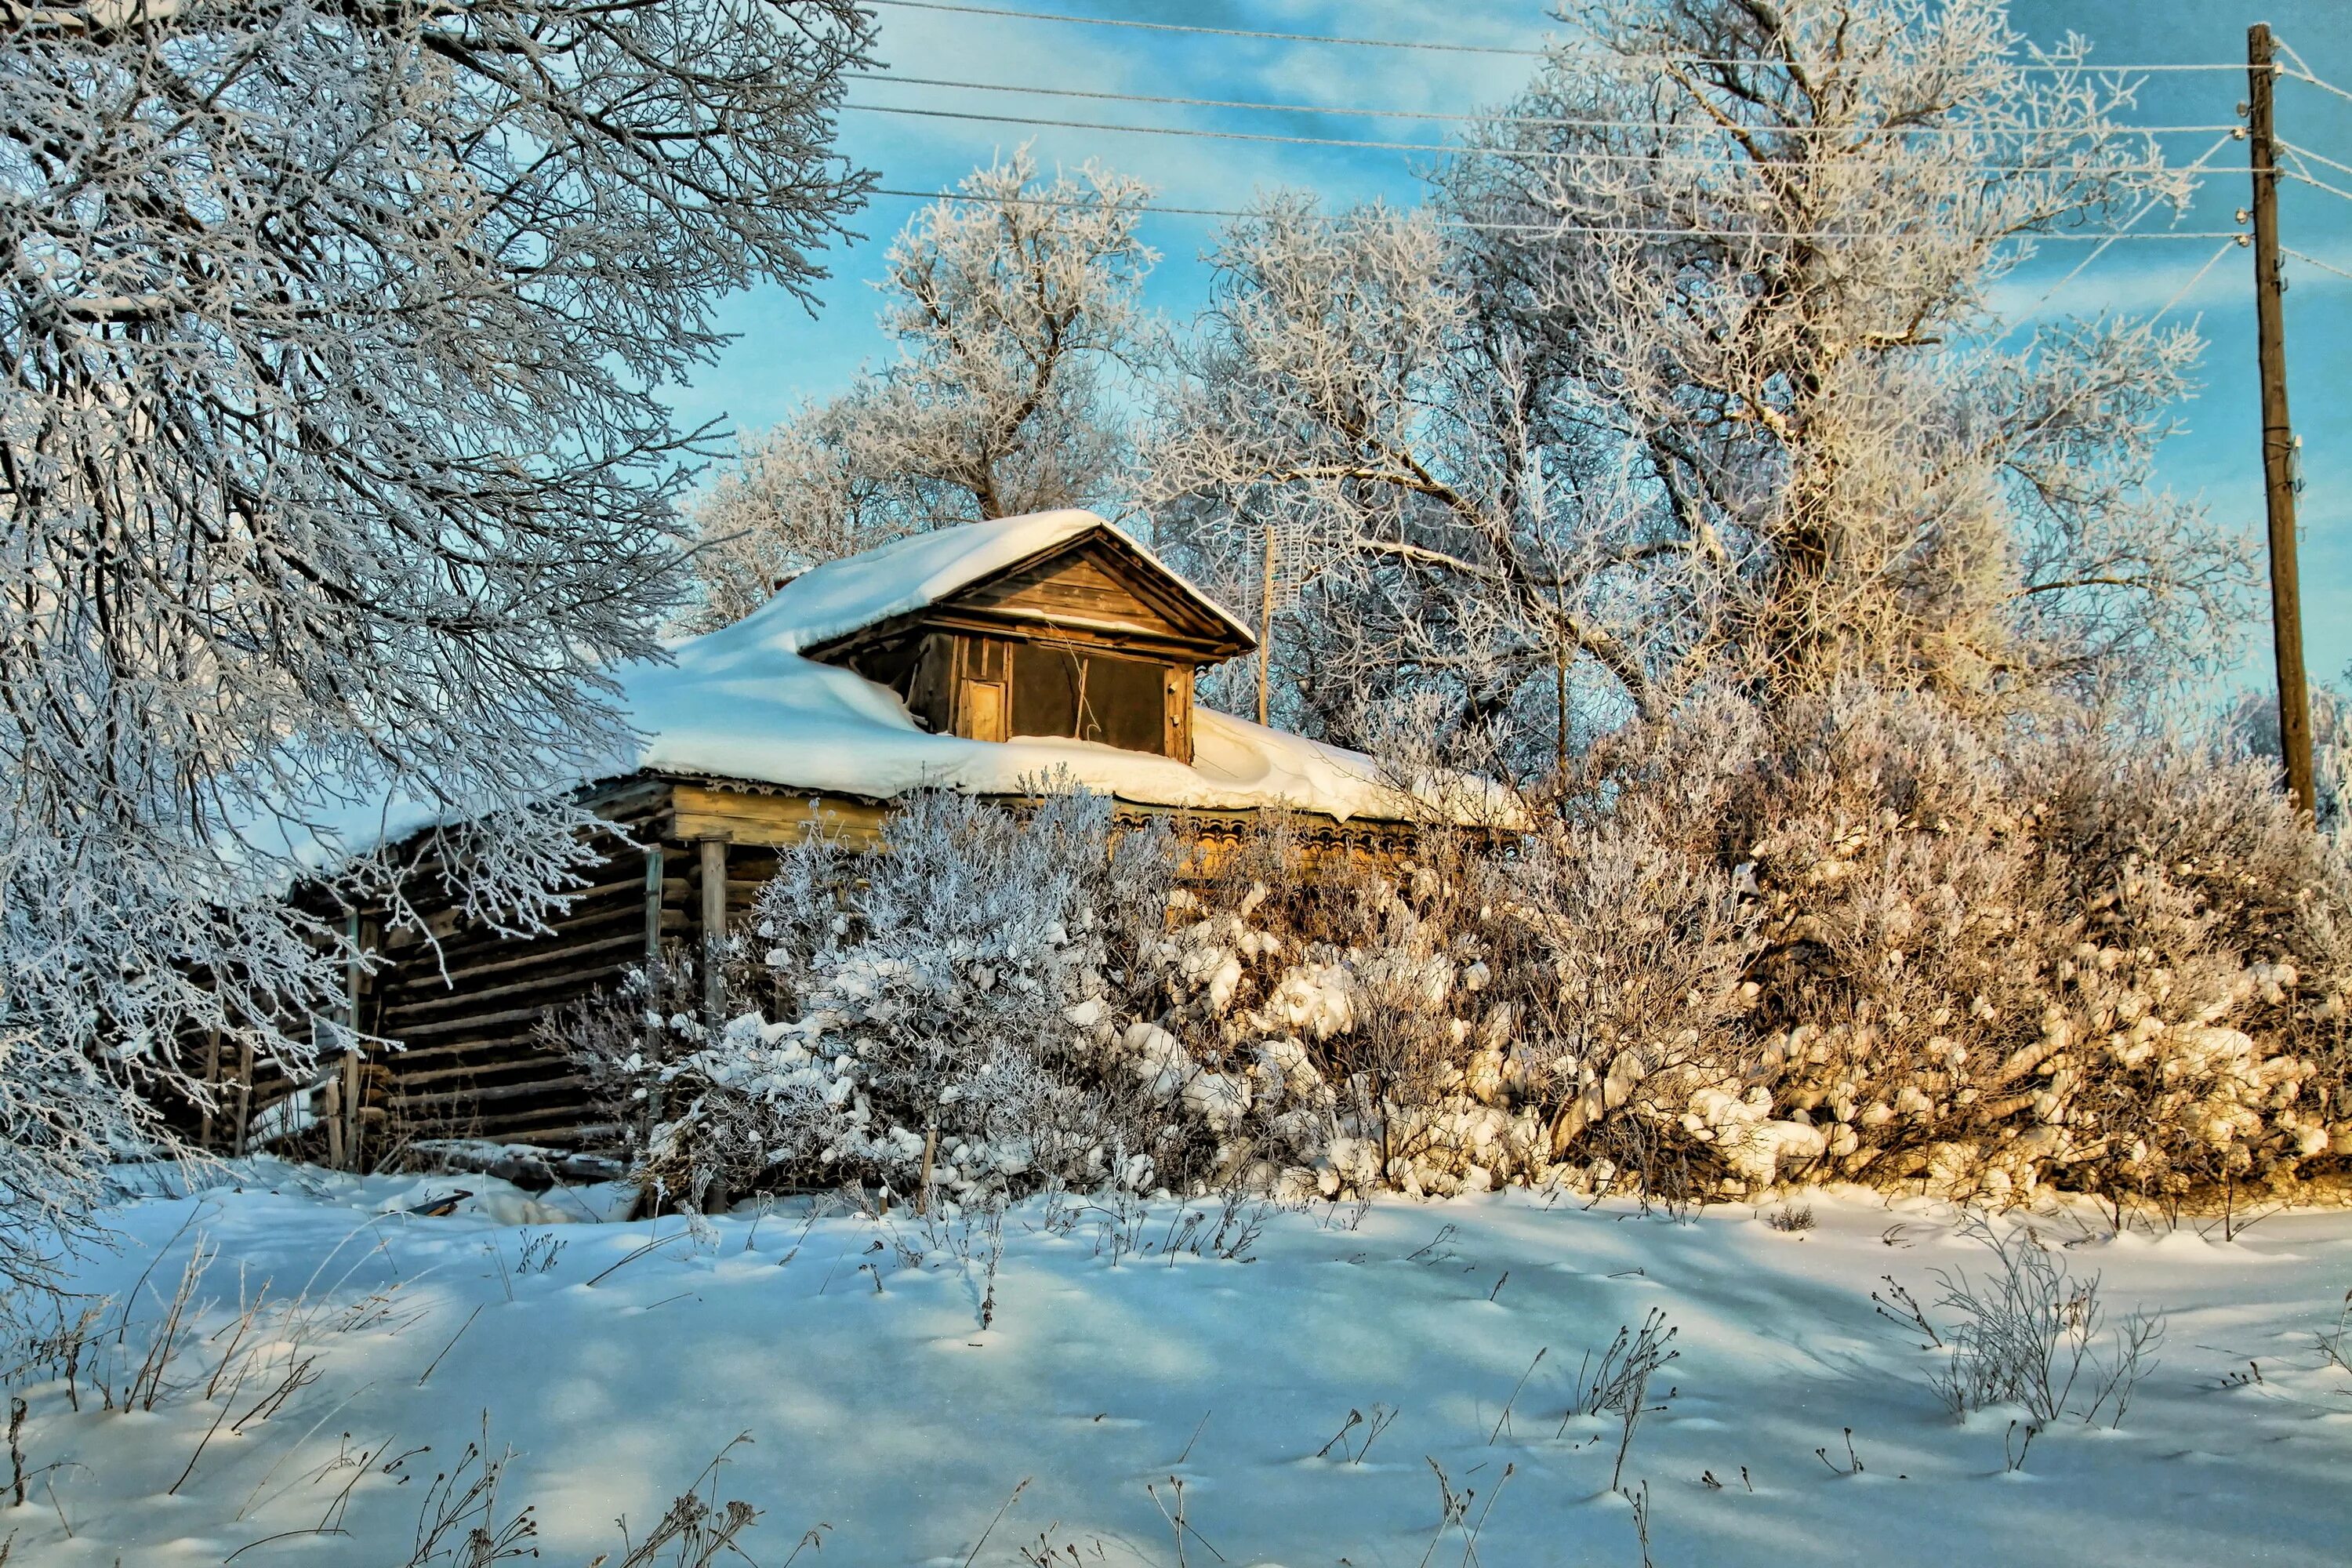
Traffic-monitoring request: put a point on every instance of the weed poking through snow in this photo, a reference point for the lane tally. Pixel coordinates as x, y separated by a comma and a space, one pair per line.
1381, 1418
2028, 1332
1620, 1384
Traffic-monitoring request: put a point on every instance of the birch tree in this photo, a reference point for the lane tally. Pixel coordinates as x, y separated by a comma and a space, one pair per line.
1016, 311
333, 472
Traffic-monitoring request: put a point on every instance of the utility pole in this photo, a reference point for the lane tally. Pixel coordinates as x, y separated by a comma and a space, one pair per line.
2278, 435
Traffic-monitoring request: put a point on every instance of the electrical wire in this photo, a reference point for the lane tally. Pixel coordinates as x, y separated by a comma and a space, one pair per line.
2315, 261
1158, 130
2132, 222
1431, 46
1446, 149
2228, 234
1542, 121
2227, 246
2303, 72
2287, 146
2317, 185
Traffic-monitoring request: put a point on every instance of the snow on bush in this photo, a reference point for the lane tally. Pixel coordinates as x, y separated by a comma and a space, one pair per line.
2118, 964
961, 991
1856, 941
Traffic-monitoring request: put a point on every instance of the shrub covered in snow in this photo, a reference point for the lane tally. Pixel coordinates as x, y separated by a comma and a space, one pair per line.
1857, 941
961, 991
2118, 964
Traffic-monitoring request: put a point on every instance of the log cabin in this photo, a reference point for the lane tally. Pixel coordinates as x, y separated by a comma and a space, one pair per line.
988, 658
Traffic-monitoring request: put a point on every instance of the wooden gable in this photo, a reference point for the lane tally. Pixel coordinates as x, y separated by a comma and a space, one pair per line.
1091, 639
1093, 586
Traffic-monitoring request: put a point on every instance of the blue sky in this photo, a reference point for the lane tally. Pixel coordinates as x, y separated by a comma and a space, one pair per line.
783, 354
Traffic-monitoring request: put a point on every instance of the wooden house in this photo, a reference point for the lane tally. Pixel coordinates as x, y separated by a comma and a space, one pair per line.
988, 658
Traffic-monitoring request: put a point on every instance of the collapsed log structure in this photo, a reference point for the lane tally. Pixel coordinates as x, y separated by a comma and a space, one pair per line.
997, 659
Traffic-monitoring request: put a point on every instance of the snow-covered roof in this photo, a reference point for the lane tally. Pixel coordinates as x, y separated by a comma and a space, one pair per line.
743, 703
913, 573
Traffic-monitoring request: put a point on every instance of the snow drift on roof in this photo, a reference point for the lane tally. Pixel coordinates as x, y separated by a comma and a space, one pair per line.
912, 573
741, 703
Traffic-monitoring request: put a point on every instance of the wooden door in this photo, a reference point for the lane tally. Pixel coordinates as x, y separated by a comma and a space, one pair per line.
984, 708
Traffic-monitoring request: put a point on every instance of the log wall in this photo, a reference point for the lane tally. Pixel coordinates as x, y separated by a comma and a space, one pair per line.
465, 1061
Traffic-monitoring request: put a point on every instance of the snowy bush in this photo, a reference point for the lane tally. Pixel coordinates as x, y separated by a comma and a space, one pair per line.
1864, 939
2029, 1333
954, 1005
2114, 963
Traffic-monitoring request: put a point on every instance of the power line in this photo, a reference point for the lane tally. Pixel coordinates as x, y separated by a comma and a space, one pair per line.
2133, 222
1447, 149
2199, 277
2284, 146
1214, 32
2108, 236
1431, 47
1158, 130
2303, 72
2317, 185
2315, 261
1543, 121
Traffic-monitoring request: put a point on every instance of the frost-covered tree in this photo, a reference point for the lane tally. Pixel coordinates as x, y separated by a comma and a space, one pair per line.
1016, 311
1356, 445
1701, 366
1763, 241
332, 470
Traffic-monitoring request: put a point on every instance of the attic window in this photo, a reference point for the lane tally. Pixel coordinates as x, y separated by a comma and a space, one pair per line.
1090, 697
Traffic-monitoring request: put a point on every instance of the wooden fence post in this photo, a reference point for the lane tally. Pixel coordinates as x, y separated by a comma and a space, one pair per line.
653, 874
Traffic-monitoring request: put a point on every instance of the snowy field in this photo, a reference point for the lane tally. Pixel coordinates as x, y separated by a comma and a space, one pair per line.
1117, 1362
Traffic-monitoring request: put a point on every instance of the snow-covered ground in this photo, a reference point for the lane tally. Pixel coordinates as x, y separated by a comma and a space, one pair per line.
882, 1412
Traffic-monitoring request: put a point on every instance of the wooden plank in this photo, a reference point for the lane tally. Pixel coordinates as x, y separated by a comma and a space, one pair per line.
427, 978
1025, 627
654, 895
1179, 712
481, 948
510, 1044
531, 1067
562, 975
551, 1130
244, 1094
712, 850
775, 819
495, 1092
353, 1106
474, 1021
212, 1088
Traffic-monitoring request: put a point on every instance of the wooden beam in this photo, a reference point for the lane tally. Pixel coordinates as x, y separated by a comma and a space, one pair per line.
353, 1097
212, 1088
244, 1096
713, 850
654, 886
745, 816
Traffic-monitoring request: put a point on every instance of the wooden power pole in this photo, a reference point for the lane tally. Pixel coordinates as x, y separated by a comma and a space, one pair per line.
2278, 435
